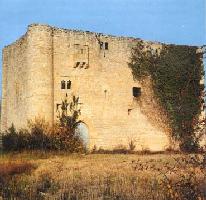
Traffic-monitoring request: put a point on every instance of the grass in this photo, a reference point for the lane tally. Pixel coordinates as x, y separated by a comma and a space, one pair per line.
105, 176
13, 168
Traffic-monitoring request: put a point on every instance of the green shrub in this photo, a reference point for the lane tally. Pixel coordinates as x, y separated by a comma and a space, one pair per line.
39, 139
10, 139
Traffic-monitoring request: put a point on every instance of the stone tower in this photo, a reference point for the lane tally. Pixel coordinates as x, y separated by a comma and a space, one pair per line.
48, 63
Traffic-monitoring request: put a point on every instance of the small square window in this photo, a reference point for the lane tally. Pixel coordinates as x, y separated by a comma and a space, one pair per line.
136, 91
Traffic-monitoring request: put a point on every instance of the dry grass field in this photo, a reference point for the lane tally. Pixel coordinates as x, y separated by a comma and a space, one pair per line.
102, 176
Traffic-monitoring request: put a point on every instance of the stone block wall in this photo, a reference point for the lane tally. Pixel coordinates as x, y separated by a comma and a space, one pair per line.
14, 84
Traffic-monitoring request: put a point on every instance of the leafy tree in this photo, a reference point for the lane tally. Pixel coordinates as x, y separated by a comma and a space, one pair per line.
69, 117
69, 120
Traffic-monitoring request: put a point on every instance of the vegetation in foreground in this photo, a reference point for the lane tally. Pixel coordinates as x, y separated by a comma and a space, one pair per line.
112, 176
41, 136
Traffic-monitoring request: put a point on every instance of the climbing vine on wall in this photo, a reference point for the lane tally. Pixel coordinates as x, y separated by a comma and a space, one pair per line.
176, 72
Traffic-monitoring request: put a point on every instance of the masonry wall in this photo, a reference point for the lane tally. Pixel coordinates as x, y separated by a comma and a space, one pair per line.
104, 85
101, 79
14, 84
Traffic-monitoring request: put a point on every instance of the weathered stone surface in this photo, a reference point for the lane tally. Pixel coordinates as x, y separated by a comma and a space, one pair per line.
35, 65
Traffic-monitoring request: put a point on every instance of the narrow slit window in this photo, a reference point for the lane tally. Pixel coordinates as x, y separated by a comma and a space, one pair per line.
69, 84
106, 46
63, 85
136, 91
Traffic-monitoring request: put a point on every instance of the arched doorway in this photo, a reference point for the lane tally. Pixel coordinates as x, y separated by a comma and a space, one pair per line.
83, 132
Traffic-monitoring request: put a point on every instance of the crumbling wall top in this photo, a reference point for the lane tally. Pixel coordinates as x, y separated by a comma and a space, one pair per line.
112, 37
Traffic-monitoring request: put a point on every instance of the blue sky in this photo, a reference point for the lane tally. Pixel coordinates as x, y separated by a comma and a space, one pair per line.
169, 21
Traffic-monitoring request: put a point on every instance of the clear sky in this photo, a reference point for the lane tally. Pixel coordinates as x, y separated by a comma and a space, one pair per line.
169, 21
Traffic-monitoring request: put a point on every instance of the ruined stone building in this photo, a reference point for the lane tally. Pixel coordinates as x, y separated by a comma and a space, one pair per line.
48, 63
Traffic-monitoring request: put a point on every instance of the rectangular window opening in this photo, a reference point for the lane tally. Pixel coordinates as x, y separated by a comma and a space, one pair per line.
63, 85
69, 84
106, 46
136, 91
